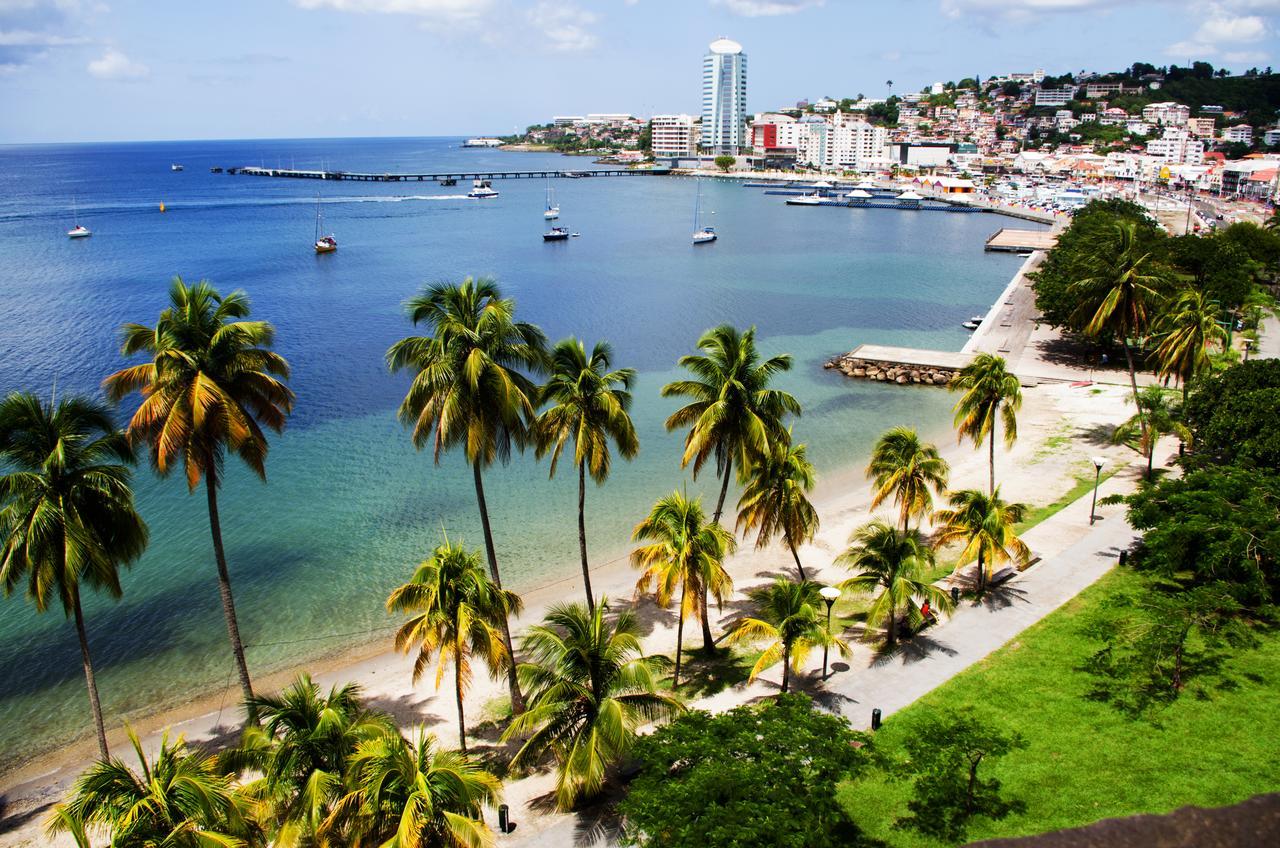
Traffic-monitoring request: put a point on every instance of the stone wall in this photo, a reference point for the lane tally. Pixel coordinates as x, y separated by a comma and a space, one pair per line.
890, 372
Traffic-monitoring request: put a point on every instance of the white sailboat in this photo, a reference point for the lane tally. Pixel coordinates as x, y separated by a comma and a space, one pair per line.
78, 230
553, 209
701, 234
324, 243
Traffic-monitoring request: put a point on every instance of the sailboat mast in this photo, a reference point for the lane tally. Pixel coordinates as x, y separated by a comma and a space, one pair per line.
697, 205
317, 217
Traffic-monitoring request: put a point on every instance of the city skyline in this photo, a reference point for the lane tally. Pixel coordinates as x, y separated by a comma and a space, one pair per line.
77, 70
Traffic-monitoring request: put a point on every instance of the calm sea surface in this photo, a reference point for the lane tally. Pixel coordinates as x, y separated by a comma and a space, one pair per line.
350, 506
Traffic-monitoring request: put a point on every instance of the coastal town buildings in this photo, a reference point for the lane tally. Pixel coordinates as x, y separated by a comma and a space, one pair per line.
1054, 96
1239, 134
724, 98
1166, 114
1177, 147
674, 136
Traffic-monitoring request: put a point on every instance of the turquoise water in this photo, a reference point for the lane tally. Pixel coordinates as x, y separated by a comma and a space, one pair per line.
350, 506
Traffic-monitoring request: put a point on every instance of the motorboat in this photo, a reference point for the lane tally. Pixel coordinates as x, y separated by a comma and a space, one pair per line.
970, 325
805, 200
481, 189
175, 167
556, 234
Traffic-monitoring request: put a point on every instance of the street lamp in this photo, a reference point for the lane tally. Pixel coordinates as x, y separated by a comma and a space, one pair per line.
1098, 462
829, 595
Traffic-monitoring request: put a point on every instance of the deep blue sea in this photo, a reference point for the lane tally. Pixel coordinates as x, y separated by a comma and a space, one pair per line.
349, 506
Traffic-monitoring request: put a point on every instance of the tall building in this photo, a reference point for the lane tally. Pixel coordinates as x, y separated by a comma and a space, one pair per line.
724, 98
674, 136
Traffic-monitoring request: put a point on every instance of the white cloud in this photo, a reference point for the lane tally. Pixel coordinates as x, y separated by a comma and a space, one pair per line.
564, 26
114, 65
1021, 9
446, 10
1220, 29
27, 38
1251, 56
767, 8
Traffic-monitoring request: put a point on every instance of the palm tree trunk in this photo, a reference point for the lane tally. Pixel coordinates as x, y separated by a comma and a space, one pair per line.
982, 573
513, 682
1133, 383
708, 643
796, 557
1151, 453
893, 626
675, 677
991, 460
786, 666
224, 589
90, 681
457, 693
724, 490
582, 533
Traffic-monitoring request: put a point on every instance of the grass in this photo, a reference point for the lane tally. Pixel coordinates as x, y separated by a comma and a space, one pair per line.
1087, 760
1082, 487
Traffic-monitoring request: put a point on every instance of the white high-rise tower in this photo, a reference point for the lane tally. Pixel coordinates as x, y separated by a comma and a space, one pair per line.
724, 98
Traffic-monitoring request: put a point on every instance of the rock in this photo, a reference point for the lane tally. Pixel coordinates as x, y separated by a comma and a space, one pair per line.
900, 379
857, 372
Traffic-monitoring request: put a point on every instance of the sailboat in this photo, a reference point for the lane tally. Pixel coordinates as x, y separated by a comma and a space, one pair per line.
79, 230
553, 210
324, 244
701, 234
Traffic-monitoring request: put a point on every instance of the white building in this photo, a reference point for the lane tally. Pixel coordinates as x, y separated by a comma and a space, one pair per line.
1177, 147
724, 97
1201, 127
567, 120
1054, 96
1271, 137
844, 142
675, 136
1166, 114
1239, 134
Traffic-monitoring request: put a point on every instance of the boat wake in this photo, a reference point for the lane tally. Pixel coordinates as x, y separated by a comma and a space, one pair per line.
179, 206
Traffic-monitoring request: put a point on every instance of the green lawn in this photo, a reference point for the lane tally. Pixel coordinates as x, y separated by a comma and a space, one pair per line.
1086, 760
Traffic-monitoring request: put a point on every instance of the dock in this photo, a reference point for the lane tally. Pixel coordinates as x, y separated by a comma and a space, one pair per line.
298, 174
1010, 240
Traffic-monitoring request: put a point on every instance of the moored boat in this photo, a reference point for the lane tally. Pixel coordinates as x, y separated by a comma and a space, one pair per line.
77, 230
175, 167
701, 234
556, 234
324, 243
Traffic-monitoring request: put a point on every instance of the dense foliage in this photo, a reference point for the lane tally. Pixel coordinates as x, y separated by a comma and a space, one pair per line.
1233, 415
756, 775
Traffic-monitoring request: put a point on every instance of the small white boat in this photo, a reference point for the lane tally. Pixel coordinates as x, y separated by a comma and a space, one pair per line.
969, 325
78, 230
175, 167
481, 189
805, 200
324, 243
701, 234
553, 210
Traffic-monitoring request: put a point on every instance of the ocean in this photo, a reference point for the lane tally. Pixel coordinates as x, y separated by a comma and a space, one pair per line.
349, 506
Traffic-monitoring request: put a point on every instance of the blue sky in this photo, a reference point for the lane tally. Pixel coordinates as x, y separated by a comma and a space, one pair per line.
76, 70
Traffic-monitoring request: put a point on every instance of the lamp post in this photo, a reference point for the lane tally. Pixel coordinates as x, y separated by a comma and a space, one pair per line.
1098, 462
829, 595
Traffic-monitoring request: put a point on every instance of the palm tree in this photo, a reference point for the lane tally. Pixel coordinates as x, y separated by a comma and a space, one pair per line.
177, 800
897, 562
686, 552
590, 688
1161, 417
211, 384
458, 611
302, 752
775, 499
788, 618
467, 390
733, 416
589, 404
990, 391
1187, 330
67, 517
985, 525
412, 795
908, 471
1122, 296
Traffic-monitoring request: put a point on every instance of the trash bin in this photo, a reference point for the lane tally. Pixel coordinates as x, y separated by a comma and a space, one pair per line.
875, 719
504, 822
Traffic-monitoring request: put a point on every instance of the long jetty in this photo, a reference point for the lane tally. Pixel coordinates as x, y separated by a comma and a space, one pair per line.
296, 174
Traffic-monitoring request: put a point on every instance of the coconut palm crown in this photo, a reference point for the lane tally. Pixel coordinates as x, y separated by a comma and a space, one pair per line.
895, 564
989, 393
775, 500
908, 471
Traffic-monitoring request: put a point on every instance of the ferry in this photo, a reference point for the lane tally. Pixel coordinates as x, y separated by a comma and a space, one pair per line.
556, 234
481, 189
482, 142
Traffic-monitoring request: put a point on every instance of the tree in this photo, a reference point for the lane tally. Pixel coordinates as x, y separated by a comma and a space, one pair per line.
1232, 415
990, 392
413, 794
590, 688
589, 405
67, 517
1157, 642
945, 753
897, 563
724, 163
775, 500
1120, 299
701, 762
457, 611
211, 384
1161, 419
178, 799
685, 551
733, 416
985, 525
787, 618
1186, 330
908, 471
467, 390
301, 752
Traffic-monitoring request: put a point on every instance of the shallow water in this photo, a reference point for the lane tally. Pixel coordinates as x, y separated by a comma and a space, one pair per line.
350, 506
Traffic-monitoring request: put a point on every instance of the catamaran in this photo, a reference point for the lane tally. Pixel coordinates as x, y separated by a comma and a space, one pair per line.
553, 210
324, 243
79, 230
701, 234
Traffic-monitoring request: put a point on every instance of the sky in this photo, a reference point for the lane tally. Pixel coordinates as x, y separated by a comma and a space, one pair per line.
115, 70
